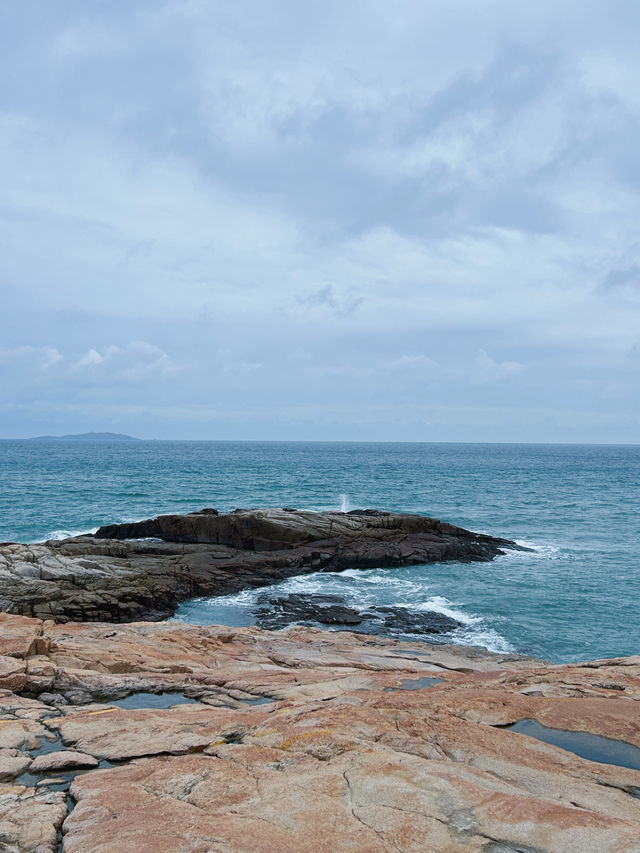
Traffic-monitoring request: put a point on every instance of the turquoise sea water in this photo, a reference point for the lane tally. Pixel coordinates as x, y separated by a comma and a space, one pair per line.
576, 596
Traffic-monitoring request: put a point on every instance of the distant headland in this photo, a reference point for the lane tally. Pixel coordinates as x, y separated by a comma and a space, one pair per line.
87, 436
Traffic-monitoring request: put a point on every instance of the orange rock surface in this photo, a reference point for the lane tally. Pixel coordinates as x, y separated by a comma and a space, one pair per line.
304, 740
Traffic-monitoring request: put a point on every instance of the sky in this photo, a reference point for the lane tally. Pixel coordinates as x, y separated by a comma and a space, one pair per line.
397, 220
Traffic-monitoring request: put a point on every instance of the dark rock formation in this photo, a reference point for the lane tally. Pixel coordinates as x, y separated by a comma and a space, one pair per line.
278, 611
277, 529
115, 577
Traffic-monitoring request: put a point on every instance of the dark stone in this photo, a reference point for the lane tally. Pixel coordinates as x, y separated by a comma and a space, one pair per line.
278, 611
416, 622
115, 577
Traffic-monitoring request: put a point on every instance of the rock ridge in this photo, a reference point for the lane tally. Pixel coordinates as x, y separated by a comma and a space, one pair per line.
143, 570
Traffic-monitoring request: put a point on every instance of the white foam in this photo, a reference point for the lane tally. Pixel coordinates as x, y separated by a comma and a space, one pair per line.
246, 598
363, 589
440, 604
145, 539
58, 535
482, 635
544, 551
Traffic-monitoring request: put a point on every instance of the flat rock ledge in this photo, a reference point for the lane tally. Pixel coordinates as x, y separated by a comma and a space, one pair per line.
304, 740
143, 570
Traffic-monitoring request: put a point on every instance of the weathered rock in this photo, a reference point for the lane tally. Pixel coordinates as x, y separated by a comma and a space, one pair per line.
345, 758
13, 762
30, 820
18, 637
64, 759
12, 673
275, 529
115, 577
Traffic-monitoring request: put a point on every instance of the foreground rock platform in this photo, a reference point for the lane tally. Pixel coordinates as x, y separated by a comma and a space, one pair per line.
143, 570
304, 740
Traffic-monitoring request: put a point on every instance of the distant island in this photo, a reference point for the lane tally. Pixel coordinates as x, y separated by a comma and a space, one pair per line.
87, 436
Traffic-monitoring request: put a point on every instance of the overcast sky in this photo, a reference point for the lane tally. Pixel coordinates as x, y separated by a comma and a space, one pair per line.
387, 219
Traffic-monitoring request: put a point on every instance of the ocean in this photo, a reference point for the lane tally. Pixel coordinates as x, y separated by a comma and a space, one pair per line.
574, 596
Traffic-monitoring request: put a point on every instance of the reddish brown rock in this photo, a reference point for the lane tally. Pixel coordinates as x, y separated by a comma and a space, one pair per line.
12, 673
30, 820
19, 637
345, 757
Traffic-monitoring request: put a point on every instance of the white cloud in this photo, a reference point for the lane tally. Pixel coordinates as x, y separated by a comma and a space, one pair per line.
113, 367
490, 370
132, 363
40, 358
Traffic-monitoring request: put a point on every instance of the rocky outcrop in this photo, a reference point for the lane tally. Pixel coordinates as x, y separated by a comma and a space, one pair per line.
307, 740
276, 529
118, 575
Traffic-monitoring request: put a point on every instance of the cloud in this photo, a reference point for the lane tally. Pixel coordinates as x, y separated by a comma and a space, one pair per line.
339, 304
48, 372
626, 279
133, 363
490, 370
38, 358
313, 208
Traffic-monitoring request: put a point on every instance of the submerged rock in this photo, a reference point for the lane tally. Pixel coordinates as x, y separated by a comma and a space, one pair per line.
278, 611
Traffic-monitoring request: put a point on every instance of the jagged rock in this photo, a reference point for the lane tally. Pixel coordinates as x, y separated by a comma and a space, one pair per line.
113, 577
416, 622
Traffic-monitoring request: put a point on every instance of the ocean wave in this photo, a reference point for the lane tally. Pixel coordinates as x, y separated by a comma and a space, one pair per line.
57, 535
536, 551
482, 635
360, 590
345, 503
440, 604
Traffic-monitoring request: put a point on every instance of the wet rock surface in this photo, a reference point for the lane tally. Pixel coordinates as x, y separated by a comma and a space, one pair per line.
278, 611
308, 740
143, 570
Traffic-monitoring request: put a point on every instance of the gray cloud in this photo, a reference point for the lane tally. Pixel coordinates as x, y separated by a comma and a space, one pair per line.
377, 220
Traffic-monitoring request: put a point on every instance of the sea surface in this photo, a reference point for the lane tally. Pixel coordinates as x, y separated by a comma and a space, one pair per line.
575, 596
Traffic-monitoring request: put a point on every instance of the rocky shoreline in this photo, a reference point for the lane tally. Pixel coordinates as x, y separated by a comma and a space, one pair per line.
238, 740
143, 570
172, 738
